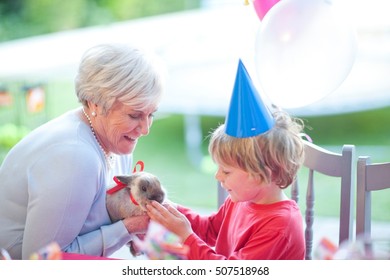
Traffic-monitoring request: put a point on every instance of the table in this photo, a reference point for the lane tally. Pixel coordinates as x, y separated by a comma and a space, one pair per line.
74, 256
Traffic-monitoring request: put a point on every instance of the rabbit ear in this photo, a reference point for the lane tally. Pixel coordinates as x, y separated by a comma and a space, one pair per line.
121, 182
125, 179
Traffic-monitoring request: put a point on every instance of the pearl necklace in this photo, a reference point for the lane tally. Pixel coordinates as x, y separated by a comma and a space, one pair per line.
109, 158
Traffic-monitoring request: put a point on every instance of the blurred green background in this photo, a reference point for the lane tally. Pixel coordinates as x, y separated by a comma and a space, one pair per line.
25, 18
164, 151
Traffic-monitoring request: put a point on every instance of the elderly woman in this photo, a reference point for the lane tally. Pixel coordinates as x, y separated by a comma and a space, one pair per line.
53, 182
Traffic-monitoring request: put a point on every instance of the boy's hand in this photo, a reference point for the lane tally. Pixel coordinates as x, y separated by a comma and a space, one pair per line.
170, 218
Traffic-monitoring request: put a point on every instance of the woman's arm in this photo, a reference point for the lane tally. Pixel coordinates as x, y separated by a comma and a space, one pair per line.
67, 205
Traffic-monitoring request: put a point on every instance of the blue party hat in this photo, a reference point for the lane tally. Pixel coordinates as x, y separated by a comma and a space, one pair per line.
248, 116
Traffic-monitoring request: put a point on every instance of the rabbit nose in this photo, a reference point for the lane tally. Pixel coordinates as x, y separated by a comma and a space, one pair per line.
157, 197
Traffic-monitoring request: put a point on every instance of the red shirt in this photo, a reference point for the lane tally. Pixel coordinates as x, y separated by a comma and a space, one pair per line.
247, 231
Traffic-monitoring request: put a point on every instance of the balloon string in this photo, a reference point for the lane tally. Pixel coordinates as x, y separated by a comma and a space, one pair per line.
308, 138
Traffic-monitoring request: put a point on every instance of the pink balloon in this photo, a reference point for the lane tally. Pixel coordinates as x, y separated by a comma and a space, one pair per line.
263, 6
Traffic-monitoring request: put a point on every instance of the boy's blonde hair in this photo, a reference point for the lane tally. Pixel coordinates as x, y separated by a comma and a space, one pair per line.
275, 155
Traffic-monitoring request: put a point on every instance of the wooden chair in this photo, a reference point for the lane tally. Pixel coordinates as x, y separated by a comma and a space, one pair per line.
369, 177
320, 160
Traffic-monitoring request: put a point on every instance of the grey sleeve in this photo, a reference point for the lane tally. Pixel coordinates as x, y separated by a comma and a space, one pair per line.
67, 205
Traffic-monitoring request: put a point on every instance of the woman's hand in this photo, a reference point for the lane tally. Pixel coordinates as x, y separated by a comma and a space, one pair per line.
137, 224
170, 218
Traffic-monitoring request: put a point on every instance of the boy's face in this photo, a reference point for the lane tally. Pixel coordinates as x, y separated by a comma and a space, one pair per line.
240, 185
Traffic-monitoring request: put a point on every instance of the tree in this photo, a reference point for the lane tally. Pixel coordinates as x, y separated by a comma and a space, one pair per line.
24, 18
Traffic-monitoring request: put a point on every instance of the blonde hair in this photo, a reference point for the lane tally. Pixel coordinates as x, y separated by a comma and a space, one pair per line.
111, 72
275, 155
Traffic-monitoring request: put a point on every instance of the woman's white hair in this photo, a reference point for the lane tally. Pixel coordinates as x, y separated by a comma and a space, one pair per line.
116, 72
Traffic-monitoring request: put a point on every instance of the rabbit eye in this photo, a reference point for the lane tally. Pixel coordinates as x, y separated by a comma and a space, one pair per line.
143, 188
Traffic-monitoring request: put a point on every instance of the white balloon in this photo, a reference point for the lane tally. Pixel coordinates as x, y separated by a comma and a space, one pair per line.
304, 51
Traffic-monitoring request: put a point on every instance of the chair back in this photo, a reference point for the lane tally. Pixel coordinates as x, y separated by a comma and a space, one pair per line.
369, 177
323, 161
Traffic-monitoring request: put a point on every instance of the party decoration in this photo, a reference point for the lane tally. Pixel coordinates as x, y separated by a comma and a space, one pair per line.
248, 116
362, 248
304, 50
5, 97
325, 249
50, 252
35, 99
263, 6
161, 244
4, 255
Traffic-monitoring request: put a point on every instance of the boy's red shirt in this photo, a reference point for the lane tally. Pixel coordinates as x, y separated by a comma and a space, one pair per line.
247, 231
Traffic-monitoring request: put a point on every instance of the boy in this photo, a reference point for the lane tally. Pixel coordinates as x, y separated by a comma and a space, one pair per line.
257, 158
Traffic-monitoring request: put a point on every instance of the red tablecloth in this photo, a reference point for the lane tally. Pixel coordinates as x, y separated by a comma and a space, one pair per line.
73, 256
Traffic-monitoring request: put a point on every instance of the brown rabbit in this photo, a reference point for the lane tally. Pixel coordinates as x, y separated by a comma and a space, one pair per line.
135, 191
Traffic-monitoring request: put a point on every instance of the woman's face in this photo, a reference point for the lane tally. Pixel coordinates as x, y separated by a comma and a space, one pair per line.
121, 127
